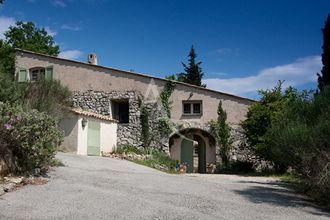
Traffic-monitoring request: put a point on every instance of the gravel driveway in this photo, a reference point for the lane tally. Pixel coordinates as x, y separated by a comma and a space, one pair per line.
105, 188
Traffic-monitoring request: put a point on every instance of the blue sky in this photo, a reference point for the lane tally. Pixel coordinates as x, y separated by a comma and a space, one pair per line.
244, 45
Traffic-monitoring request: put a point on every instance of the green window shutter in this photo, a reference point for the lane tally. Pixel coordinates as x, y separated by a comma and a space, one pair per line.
22, 75
49, 73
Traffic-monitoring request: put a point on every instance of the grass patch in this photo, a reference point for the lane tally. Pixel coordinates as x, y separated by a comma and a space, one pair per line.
150, 157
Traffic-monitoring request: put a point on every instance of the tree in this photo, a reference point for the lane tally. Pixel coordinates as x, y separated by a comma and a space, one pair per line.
324, 77
221, 131
193, 72
262, 113
25, 35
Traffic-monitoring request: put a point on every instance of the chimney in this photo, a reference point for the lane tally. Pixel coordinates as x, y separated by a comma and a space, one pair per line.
92, 59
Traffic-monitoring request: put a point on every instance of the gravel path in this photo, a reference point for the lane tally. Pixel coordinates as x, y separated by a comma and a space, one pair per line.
105, 188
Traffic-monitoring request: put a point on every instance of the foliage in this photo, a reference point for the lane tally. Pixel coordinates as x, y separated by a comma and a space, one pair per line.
128, 149
193, 73
300, 138
160, 160
166, 94
25, 35
221, 132
236, 167
165, 124
262, 113
145, 130
31, 136
7, 59
48, 96
324, 77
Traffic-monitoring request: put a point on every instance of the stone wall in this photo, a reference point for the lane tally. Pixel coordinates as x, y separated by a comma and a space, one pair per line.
130, 133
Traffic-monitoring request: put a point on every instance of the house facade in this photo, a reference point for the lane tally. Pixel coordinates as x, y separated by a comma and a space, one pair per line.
120, 94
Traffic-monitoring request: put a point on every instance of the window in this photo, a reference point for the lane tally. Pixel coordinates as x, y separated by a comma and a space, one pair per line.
192, 107
120, 110
37, 74
186, 108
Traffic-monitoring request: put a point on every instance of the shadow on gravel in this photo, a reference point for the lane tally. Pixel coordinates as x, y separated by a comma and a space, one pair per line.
279, 194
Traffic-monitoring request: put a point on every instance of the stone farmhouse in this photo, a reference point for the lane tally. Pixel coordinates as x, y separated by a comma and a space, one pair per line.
107, 107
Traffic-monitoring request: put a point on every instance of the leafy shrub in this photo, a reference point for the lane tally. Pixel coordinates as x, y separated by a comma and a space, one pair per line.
30, 135
163, 159
300, 138
261, 115
47, 96
128, 149
236, 167
151, 157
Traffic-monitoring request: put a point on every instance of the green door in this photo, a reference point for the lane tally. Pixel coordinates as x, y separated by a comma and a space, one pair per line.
201, 156
93, 138
187, 151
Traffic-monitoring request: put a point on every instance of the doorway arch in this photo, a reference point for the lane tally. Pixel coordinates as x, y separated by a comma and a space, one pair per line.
195, 148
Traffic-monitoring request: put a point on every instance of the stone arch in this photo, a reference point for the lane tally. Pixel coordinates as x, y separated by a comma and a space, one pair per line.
196, 143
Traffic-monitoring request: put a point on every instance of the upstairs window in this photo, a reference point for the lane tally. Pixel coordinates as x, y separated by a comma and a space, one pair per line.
34, 74
192, 107
37, 73
120, 110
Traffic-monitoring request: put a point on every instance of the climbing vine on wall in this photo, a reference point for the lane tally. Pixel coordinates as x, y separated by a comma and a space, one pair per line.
165, 124
166, 94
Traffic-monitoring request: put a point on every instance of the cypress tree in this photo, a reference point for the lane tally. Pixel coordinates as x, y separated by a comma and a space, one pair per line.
324, 77
193, 72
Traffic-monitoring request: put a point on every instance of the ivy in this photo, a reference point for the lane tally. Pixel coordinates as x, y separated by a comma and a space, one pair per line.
166, 94
164, 124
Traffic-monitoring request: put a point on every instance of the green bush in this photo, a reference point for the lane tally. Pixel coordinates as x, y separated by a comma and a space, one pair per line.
300, 138
47, 96
30, 135
128, 149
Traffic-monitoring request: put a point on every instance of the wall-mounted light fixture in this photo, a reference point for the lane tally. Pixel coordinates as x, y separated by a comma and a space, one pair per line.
190, 95
84, 122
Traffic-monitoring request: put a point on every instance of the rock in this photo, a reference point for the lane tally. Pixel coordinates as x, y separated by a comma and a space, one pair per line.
2, 191
8, 187
17, 180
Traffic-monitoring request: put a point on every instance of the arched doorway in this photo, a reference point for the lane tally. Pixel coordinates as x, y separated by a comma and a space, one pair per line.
195, 148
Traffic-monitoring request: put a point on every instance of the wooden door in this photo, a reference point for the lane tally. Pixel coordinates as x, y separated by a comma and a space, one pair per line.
93, 138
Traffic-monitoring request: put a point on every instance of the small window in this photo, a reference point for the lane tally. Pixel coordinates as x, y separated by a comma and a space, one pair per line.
120, 110
196, 108
192, 107
186, 108
37, 74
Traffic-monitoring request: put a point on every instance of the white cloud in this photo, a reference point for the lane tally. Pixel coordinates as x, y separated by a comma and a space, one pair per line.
58, 3
50, 31
71, 54
70, 27
5, 23
299, 72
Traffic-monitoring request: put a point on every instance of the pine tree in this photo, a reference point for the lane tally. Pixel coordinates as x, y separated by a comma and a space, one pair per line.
324, 77
193, 72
